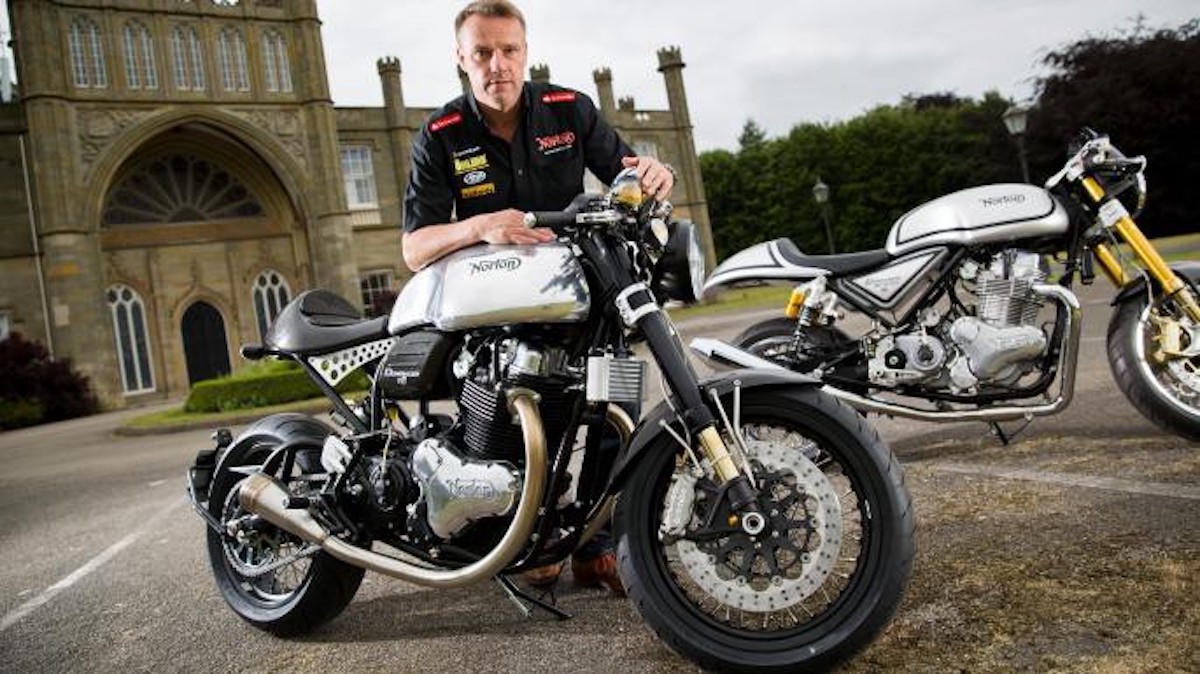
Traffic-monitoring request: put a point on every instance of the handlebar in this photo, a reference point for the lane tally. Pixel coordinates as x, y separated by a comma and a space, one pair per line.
555, 220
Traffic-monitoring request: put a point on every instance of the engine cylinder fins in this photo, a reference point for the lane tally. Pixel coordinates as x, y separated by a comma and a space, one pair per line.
488, 429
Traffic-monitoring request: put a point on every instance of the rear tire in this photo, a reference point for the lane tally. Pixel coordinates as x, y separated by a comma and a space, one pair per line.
295, 598
773, 340
1169, 394
846, 516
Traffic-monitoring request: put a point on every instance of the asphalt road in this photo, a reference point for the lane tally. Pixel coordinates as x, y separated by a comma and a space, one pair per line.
104, 567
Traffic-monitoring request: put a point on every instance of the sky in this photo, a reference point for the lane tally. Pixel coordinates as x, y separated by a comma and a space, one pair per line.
780, 62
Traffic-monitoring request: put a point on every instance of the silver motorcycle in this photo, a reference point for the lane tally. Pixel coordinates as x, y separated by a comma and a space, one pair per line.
761, 526
957, 318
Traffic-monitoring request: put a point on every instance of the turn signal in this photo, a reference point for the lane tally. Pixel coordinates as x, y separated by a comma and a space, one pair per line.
794, 303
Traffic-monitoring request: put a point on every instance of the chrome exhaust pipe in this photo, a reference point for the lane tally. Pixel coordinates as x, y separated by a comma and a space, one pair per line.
721, 353
265, 496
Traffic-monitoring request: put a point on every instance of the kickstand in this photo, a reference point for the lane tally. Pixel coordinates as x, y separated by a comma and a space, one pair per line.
516, 594
1006, 438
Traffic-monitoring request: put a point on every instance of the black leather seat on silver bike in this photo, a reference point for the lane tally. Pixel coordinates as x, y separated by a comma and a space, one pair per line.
837, 265
319, 321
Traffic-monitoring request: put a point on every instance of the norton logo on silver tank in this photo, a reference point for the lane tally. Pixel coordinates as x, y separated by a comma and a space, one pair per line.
1005, 200
501, 264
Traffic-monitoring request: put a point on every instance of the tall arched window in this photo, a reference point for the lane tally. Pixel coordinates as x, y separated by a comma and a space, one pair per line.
189, 59
279, 72
141, 70
87, 54
133, 346
271, 294
231, 55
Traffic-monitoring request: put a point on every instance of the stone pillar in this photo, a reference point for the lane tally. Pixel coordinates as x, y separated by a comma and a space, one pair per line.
72, 265
399, 134
671, 65
604, 92
330, 236
539, 74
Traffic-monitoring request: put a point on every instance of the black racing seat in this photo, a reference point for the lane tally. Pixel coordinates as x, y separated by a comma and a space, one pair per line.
319, 321
837, 265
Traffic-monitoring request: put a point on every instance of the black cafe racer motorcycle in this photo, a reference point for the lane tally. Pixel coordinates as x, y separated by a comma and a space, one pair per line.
761, 525
957, 319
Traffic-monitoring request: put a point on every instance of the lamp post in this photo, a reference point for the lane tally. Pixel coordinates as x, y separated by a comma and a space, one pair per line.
1015, 119
821, 196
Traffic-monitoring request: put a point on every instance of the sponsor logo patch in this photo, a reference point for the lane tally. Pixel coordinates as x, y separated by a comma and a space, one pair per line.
479, 191
501, 264
443, 122
558, 97
475, 177
556, 143
469, 164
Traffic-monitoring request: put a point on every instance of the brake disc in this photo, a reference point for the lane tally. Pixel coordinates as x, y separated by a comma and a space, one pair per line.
793, 556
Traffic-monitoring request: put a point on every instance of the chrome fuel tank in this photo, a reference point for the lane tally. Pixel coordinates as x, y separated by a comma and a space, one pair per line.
987, 214
489, 285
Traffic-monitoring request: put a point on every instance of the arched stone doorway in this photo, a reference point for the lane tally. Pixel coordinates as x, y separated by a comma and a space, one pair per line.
196, 213
204, 345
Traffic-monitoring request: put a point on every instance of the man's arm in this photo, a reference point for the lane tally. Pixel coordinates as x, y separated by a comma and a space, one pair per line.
431, 242
606, 154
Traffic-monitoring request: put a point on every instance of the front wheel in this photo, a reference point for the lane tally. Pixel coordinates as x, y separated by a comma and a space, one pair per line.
1165, 390
810, 590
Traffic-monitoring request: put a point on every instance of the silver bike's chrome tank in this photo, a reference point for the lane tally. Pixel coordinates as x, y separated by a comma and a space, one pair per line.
490, 285
979, 215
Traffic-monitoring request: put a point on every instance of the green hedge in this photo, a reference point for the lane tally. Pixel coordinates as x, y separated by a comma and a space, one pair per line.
267, 383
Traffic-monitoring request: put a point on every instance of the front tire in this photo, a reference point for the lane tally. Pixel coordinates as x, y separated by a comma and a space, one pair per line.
817, 585
294, 598
1167, 394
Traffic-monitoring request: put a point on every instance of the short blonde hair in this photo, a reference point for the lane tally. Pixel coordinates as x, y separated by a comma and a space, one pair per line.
491, 8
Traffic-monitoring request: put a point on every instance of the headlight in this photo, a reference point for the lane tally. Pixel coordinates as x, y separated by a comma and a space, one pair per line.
679, 273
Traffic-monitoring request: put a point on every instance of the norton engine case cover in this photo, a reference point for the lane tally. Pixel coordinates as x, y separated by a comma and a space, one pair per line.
979, 215
492, 285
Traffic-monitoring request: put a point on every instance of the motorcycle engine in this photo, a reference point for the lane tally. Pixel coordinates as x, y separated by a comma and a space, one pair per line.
475, 471
997, 346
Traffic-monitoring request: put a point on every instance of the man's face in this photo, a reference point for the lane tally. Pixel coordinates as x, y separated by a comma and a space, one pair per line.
491, 50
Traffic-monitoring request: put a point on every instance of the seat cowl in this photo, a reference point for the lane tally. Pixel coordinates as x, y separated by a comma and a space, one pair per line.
319, 321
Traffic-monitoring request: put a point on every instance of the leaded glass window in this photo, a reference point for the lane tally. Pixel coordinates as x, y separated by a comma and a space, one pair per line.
133, 345
231, 56
277, 66
189, 59
87, 54
180, 188
358, 172
141, 70
271, 294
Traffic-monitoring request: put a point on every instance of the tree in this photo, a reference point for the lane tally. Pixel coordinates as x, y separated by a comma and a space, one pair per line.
35, 388
1142, 88
752, 135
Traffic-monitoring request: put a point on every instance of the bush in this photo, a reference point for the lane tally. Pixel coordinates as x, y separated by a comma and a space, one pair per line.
36, 389
260, 385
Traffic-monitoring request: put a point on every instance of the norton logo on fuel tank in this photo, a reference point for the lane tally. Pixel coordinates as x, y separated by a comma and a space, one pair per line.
500, 264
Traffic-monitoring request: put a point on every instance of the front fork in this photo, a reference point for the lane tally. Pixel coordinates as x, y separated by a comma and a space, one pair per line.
638, 308
1114, 216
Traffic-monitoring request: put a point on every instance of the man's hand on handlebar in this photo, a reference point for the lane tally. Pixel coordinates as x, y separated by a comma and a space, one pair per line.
656, 178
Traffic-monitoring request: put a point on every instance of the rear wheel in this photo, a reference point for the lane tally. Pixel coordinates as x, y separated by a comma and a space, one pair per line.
775, 340
270, 578
1167, 390
816, 585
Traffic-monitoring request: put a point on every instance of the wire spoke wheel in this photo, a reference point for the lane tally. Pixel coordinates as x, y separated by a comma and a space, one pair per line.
255, 548
1145, 343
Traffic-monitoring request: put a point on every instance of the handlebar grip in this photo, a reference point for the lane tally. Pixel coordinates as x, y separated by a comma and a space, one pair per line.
555, 220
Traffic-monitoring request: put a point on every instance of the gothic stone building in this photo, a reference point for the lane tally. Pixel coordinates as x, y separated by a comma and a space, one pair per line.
173, 171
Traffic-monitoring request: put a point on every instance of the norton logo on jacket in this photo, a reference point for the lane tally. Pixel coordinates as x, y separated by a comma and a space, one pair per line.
556, 143
501, 264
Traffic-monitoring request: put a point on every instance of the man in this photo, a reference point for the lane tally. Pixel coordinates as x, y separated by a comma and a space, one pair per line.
508, 147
